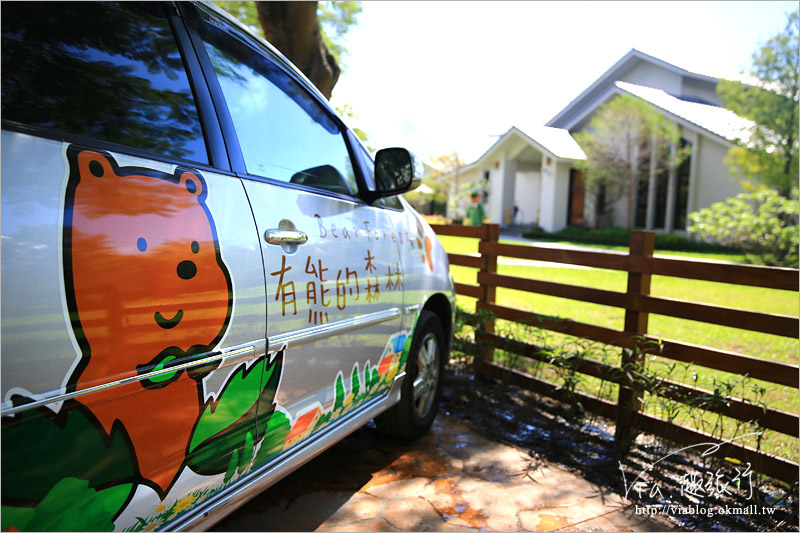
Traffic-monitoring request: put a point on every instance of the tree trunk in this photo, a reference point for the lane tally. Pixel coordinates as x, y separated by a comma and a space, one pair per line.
634, 200
669, 221
599, 206
293, 28
651, 184
630, 197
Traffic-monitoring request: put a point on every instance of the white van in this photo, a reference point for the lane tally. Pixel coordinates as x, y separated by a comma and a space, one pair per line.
206, 280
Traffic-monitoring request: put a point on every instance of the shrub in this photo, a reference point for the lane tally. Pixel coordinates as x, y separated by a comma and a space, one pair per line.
762, 224
621, 237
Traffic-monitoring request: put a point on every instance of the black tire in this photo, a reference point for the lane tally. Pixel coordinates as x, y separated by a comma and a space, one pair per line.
412, 417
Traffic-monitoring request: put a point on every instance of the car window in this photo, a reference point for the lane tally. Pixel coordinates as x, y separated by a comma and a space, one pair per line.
284, 133
108, 71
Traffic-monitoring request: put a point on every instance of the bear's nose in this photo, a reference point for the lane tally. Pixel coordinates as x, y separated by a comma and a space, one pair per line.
187, 269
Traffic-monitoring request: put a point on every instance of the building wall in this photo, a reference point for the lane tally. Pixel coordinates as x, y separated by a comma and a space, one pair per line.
508, 199
555, 193
526, 195
703, 90
710, 180
714, 181
650, 75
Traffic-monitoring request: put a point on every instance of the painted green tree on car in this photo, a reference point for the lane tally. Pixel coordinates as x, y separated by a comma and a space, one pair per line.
338, 402
356, 386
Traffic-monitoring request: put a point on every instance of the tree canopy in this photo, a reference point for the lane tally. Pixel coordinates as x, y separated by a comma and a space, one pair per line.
444, 196
770, 155
622, 139
308, 33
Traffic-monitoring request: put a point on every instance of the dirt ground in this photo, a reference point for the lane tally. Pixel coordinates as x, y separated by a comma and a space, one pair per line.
547, 429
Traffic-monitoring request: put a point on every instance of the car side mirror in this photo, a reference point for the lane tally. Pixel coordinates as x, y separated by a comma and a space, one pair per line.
397, 171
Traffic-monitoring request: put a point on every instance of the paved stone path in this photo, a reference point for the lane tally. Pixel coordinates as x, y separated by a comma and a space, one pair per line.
451, 480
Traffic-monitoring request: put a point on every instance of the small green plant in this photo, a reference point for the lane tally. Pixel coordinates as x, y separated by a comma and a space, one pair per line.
668, 390
565, 365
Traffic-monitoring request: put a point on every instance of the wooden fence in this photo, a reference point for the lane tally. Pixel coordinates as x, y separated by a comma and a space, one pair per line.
640, 265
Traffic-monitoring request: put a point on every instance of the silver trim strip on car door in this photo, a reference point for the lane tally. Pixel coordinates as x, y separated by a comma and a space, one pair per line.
233, 356
316, 333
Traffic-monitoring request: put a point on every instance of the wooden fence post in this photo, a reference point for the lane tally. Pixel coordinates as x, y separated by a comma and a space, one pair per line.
629, 401
488, 293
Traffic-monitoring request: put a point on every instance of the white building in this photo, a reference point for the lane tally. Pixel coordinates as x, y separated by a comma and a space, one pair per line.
529, 176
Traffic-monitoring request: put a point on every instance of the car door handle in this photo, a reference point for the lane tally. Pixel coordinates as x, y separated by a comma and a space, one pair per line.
285, 236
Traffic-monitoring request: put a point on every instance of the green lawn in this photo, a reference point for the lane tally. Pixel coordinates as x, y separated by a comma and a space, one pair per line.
751, 343
460, 245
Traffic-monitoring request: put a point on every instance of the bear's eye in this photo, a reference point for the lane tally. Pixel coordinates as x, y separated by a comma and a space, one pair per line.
195, 247
141, 244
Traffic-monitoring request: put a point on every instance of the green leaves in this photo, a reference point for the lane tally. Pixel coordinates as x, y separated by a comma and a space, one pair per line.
41, 449
71, 505
335, 20
770, 155
278, 428
762, 224
225, 436
234, 403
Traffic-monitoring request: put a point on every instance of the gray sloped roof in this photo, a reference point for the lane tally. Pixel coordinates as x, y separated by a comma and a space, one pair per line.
630, 60
717, 120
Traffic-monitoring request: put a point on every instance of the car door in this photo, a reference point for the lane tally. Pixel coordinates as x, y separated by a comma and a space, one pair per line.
133, 299
334, 277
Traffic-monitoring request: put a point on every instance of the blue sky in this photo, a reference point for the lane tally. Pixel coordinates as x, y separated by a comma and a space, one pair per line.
437, 77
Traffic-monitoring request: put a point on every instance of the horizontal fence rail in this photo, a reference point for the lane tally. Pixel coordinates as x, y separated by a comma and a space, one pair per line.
768, 464
735, 363
751, 275
638, 303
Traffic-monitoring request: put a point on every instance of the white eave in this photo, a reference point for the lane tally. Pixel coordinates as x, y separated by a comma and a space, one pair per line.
721, 122
557, 143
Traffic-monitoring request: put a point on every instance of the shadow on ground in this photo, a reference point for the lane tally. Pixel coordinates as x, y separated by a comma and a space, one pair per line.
498, 458
584, 445
453, 479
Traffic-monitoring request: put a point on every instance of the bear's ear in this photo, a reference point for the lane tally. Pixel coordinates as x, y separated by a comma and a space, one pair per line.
193, 183
93, 164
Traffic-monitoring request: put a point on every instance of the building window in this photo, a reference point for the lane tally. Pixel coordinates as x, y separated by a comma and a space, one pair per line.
682, 184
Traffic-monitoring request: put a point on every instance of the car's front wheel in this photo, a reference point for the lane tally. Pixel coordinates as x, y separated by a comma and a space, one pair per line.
422, 388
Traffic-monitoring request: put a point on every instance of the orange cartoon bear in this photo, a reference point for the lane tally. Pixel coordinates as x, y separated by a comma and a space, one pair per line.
146, 289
